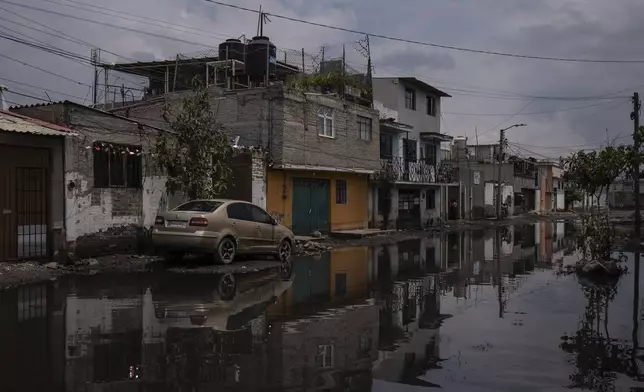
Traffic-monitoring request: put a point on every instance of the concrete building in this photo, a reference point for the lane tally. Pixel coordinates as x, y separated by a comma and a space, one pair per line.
553, 188
478, 176
320, 150
32, 194
620, 194
111, 184
413, 188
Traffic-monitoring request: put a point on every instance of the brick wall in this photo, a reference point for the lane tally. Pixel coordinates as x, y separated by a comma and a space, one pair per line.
303, 145
284, 124
108, 220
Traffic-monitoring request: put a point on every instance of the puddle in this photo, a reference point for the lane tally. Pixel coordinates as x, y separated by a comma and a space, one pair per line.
438, 312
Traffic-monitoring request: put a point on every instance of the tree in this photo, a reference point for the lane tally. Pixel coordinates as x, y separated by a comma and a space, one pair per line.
593, 172
196, 157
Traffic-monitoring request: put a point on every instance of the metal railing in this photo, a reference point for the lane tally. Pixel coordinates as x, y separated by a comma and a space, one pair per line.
398, 169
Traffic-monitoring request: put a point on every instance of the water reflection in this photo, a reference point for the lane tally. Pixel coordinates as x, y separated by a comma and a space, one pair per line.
455, 311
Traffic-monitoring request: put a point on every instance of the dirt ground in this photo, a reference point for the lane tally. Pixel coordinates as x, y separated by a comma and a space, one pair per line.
12, 274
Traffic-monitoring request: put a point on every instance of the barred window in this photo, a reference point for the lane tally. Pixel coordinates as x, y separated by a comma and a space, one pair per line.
117, 166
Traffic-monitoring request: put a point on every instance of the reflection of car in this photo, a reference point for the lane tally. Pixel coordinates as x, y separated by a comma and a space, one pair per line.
224, 228
225, 303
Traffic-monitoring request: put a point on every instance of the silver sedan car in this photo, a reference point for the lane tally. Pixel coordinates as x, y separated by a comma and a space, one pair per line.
222, 228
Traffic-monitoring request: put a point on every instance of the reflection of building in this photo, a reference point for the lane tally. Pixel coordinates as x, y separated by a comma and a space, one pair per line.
124, 338
31, 339
323, 333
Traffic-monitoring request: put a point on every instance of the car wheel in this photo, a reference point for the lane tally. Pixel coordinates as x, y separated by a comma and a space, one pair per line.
286, 270
173, 257
227, 287
284, 250
226, 250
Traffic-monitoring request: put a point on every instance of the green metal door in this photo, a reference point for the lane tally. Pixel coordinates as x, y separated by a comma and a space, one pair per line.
310, 205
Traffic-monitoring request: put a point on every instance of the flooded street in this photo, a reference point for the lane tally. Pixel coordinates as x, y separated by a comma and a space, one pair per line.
442, 312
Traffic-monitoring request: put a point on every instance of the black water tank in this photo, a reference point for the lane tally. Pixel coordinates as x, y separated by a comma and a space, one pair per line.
235, 48
261, 57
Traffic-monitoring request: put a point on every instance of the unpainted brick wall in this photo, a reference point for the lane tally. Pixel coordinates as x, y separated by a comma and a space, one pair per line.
107, 219
284, 123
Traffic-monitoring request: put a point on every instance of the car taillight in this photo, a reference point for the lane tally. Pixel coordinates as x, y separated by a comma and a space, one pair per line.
159, 220
201, 222
198, 319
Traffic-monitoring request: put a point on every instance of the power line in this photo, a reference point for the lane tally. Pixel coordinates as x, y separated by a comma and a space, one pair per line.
476, 93
533, 113
109, 25
40, 88
44, 70
506, 120
409, 41
138, 18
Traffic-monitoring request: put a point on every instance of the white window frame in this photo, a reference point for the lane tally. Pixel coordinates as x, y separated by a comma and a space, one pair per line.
367, 132
326, 352
326, 114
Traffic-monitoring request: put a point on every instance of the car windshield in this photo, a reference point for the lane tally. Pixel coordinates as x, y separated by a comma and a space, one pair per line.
200, 206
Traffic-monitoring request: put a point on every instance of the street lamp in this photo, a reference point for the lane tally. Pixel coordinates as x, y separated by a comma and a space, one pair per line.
499, 159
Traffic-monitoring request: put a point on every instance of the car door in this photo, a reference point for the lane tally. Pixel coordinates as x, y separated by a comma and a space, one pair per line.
241, 221
264, 229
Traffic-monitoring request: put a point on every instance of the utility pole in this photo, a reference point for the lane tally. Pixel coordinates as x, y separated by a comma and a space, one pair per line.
499, 164
635, 116
500, 161
95, 59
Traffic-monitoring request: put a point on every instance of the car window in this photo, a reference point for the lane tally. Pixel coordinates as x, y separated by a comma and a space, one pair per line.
260, 215
200, 206
239, 211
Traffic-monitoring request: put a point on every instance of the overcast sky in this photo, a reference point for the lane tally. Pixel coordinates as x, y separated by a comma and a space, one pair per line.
487, 91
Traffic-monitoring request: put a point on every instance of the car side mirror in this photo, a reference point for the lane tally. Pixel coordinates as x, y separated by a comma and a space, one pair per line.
274, 222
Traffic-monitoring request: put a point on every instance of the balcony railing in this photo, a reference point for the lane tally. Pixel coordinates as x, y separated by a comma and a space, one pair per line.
397, 169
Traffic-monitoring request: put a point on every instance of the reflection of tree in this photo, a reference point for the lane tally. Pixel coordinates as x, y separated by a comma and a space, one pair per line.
598, 358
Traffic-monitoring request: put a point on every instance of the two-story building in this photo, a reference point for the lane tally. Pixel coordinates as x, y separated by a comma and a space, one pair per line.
413, 187
552, 186
321, 144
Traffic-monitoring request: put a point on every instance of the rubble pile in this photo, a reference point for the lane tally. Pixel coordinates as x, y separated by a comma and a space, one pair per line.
310, 247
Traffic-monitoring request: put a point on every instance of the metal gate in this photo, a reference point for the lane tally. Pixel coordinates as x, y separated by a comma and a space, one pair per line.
24, 197
310, 205
408, 209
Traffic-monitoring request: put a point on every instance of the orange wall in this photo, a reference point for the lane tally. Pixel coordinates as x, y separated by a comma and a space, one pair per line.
353, 215
354, 263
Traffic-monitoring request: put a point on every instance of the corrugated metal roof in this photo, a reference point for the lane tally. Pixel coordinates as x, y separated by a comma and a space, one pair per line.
12, 122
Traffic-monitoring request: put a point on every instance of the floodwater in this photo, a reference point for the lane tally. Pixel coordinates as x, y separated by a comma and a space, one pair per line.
440, 312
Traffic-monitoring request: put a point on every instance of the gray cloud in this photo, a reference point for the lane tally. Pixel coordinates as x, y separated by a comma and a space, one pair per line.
561, 28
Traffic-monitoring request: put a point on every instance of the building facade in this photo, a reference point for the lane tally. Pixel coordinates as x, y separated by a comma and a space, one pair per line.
320, 151
32, 194
413, 188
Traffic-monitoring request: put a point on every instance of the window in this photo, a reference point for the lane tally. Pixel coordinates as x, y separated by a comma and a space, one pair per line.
431, 106
325, 122
324, 357
430, 199
430, 154
386, 146
410, 98
117, 166
199, 206
240, 211
260, 216
409, 149
364, 128
340, 191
